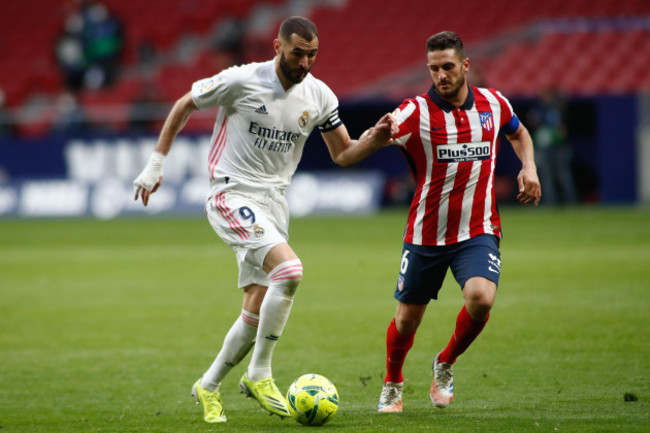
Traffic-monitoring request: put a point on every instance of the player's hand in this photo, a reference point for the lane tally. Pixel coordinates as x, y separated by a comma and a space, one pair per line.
385, 128
394, 126
150, 179
530, 190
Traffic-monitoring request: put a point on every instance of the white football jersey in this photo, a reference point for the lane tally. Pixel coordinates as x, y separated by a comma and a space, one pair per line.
261, 129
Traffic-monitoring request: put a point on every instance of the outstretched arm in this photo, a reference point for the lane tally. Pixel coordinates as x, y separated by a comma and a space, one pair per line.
345, 151
151, 177
530, 190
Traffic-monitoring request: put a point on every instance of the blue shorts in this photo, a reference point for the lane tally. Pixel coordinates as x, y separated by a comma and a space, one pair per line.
423, 268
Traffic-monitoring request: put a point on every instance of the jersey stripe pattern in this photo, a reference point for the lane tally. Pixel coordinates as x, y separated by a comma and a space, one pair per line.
290, 270
250, 320
451, 152
219, 143
226, 213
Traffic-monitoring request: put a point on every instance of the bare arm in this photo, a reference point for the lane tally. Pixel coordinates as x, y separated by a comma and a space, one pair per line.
530, 190
151, 177
345, 151
175, 122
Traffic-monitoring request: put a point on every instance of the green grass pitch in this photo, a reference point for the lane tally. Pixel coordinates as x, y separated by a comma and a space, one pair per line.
105, 325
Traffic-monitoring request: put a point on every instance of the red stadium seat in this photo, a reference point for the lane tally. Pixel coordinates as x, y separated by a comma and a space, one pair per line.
359, 47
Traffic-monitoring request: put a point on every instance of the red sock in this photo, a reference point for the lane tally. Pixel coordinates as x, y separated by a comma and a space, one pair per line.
397, 346
467, 329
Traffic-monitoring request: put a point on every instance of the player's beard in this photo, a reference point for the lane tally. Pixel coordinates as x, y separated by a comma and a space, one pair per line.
452, 91
295, 75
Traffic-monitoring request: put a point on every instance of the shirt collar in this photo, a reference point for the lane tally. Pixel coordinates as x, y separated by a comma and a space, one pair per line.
446, 106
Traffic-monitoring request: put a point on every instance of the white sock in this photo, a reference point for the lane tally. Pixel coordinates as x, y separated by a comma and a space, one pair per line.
273, 316
238, 342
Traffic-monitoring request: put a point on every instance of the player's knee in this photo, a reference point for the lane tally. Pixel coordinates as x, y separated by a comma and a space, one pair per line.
479, 311
287, 276
407, 323
479, 306
293, 282
408, 317
406, 326
479, 296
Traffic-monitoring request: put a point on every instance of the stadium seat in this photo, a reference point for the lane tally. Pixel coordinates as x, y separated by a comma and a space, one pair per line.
359, 47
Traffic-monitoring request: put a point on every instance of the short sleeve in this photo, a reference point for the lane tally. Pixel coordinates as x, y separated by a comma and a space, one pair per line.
404, 117
509, 120
332, 122
511, 126
220, 89
330, 109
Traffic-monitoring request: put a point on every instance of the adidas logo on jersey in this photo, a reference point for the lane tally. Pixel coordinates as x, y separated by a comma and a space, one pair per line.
262, 110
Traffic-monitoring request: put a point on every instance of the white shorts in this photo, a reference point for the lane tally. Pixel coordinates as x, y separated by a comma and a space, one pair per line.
251, 223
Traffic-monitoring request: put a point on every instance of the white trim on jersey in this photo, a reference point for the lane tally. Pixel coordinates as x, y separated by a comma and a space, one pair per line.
496, 117
401, 116
450, 179
468, 198
428, 151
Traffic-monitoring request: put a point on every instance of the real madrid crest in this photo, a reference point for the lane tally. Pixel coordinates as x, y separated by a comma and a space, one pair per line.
259, 231
304, 119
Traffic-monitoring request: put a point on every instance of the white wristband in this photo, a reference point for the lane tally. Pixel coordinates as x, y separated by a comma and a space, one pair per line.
151, 174
156, 159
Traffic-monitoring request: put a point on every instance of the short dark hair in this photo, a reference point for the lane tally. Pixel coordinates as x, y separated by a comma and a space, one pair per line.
300, 26
445, 40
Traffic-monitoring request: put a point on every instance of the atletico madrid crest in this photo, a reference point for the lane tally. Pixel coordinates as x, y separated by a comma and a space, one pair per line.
400, 283
486, 121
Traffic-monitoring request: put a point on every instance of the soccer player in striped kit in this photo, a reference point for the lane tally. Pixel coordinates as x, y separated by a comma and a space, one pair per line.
449, 136
266, 112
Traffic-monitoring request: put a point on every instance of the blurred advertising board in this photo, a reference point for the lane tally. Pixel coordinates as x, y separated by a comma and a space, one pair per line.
92, 177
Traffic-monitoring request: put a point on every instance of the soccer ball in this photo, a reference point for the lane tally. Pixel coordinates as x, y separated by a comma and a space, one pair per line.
313, 399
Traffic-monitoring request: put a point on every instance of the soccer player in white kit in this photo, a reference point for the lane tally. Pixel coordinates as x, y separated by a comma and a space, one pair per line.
266, 112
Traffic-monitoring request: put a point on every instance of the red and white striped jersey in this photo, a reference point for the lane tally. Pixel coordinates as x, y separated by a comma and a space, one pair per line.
452, 153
